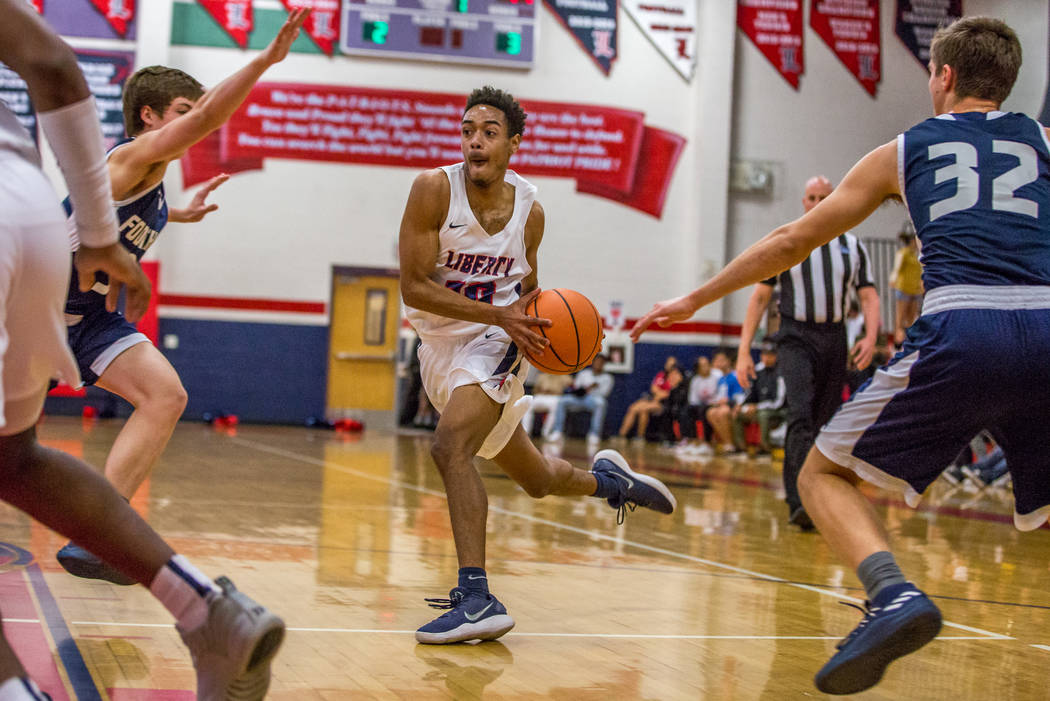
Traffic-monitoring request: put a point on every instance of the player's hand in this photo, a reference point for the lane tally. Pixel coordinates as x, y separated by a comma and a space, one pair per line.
745, 368
862, 353
665, 313
198, 206
123, 271
279, 47
519, 325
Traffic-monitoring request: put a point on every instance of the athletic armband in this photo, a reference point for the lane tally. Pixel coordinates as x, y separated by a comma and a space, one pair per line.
76, 138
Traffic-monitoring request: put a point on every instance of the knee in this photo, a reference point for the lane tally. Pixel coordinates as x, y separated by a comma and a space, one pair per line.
447, 451
538, 486
168, 398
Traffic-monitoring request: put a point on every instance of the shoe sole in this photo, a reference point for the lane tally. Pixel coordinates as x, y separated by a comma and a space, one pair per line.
615, 457
93, 569
489, 629
864, 671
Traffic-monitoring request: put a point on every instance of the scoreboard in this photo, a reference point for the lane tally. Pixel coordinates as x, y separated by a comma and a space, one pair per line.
487, 32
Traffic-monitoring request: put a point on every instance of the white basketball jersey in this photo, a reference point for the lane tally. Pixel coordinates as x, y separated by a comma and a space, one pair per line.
14, 139
473, 263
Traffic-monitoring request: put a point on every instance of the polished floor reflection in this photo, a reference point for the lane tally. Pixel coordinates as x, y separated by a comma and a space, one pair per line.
344, 535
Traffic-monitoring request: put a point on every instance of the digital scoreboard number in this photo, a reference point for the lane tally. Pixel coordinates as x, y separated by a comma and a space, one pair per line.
488, 32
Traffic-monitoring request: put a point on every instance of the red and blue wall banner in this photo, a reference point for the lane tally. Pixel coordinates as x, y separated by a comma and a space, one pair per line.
93, 19
917, 20
851, 29
593, 24
671, 27
322, 26
775, 28
610, 152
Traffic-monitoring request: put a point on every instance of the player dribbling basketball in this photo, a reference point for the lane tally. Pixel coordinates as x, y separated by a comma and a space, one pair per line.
468, 243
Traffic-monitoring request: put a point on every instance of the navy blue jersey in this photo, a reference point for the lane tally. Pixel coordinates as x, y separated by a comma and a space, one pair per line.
977, 187
140, 221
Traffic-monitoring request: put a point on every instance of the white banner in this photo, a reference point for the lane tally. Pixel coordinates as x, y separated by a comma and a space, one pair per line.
671, 26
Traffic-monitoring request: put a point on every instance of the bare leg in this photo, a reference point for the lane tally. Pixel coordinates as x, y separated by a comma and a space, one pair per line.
540, 475
840, 510
144, 377
718, 417
467, 419
629, 419
70, 497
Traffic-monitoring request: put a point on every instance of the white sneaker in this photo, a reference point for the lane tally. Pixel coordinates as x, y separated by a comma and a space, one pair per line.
555, 437
705, 449
233, 648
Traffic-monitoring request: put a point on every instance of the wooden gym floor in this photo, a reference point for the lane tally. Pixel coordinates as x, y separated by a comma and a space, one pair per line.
345, 535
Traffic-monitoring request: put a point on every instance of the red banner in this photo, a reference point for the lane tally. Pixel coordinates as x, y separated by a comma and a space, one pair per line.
323, 23
775, 28
597, 146
38, 5
204, 161
234, 16
118, 13
851, 29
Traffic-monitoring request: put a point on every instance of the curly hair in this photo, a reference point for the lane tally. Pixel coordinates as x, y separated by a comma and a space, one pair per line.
503, 101
155, 87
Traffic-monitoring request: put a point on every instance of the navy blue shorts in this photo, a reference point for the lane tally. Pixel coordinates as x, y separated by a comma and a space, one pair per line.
959, 372
98, 339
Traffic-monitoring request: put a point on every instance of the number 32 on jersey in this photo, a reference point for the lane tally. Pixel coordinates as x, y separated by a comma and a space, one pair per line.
964, 172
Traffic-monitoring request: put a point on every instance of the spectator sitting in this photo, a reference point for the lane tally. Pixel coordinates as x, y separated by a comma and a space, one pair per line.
729, 396
764, 403
546, 392
702, 390
653, 402
590, 392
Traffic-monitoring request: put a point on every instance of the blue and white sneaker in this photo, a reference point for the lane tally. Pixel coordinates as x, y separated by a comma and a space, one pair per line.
81, 563
635, 489
903, 620
472, 615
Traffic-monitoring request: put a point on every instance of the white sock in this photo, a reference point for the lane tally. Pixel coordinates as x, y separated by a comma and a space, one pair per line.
182, 589
20, 689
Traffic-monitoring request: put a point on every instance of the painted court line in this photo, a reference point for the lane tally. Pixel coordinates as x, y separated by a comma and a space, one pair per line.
262, 447
518, 634
1042, 647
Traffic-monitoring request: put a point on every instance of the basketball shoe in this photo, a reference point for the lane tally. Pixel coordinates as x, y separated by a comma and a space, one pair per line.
233, 648
81, 563
632, 489
900, 621
472, 615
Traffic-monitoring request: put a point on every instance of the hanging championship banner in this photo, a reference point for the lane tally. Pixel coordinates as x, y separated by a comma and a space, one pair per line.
323, 23
776, 30
851, 29
917, 20
234, 16
15, 96
38, 5
105, 73
119, 13
593, 25
671, 26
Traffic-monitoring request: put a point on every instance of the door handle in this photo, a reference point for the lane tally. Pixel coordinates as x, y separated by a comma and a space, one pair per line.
345, 355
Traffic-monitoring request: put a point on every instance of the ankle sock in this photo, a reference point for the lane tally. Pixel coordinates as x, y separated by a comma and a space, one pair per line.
182, 589
20, 689
608, 487
878, 571
474, 579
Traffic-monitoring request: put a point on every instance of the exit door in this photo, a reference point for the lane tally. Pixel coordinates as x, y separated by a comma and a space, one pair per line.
362, 346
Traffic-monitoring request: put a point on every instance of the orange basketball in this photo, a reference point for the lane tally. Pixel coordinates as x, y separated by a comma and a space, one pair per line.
575, 334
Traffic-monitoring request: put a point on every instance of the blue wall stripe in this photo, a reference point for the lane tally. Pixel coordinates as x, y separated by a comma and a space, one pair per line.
84, 688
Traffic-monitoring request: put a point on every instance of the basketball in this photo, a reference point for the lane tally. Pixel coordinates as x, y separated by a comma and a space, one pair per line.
575, 334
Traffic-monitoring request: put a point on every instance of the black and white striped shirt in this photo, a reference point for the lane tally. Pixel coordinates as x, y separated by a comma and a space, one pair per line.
817, 290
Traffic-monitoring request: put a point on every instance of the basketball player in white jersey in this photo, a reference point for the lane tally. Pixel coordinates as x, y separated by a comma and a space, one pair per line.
232, 639
468, 246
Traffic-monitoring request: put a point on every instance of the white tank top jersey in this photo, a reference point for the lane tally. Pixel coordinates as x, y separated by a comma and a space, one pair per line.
473, 263
14, 139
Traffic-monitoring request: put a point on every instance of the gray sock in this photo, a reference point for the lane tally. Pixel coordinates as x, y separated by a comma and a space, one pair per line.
878, 571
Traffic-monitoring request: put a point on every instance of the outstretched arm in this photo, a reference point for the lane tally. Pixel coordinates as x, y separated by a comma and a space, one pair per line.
870, 182
130, 164
198, 206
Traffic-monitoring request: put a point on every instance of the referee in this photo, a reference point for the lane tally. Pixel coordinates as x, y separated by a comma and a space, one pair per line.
814, 297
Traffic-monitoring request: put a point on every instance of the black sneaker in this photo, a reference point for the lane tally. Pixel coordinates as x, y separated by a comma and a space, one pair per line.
635, 489
900, 621
80, 563
800, 518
